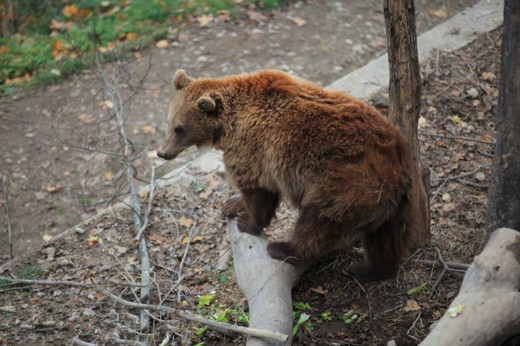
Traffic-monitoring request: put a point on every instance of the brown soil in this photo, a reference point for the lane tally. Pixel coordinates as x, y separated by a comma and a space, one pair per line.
52, 159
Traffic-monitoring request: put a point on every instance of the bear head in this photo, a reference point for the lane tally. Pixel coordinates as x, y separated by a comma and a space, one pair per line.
193, 118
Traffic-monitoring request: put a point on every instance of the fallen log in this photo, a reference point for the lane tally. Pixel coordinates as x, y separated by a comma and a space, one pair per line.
266, 284
487, 309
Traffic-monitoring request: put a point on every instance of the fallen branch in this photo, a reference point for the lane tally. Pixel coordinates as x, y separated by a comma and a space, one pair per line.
469, 139
486, 310
259, 333
265, 282
450, 265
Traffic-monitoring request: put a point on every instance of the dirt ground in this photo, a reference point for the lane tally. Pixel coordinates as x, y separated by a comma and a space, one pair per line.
57, 145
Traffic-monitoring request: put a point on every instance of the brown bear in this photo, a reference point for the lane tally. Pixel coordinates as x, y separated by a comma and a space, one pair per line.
338, 160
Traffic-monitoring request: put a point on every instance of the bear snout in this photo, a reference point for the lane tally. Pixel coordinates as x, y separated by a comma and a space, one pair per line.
163, 155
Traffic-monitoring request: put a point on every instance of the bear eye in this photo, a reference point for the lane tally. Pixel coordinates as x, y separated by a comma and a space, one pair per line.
179, 130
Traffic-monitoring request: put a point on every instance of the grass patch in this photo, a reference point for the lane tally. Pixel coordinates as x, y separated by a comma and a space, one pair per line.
51, 39
30, 272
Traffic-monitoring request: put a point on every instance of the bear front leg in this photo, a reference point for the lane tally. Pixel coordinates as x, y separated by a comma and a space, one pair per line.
255, 209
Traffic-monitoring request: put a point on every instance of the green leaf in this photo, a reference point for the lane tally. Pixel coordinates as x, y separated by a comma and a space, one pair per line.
417, 289
205, 300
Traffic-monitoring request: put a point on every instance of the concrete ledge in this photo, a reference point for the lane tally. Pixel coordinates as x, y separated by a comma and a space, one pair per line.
454, 33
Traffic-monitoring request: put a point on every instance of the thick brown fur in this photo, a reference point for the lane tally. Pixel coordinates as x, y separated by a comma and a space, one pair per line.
334, 157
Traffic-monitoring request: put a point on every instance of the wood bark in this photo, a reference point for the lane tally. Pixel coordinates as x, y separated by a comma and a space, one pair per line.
405, 103
487, 309
504, 191
266, 283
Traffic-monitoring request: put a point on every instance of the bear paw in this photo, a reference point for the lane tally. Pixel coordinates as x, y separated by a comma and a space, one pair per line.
247, 225
233, 207
283, 251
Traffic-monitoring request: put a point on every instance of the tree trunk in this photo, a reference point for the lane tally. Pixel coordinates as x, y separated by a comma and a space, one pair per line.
405, 103
504, 191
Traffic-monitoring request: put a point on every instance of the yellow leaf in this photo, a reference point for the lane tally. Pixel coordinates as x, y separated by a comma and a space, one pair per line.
131, 36
195, 239
456, 119
186, 222
109, 175
454, 311
94, 240
162, 44
70, 11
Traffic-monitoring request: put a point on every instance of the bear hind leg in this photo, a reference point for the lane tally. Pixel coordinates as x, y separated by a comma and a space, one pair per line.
385, 248
311, 238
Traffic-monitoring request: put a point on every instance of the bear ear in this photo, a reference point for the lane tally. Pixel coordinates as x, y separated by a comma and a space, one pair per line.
181, 80
206, 103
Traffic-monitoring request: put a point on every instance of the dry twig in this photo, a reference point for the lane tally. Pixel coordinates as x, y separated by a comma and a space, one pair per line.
8, 216
117, 102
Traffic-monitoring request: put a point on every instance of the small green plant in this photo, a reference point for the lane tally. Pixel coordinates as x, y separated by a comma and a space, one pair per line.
222, 278
349, 317
84, 201
3, 283
30, 272
417, 289
204, 301
300, 317
326, 316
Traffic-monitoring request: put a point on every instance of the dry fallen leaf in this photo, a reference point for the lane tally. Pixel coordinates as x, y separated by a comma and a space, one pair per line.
411, 305
106, 104
318, 289
488, 76
195, 239
223, 16
256, 16
205, 19
148, 130
86, 118
53, 189
438, 13
298, 21
70, 11
186, 222
162, 44
158, 239
109, 175
58, 49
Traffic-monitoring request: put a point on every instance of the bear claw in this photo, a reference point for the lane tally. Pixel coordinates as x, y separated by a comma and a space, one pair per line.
233, 207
